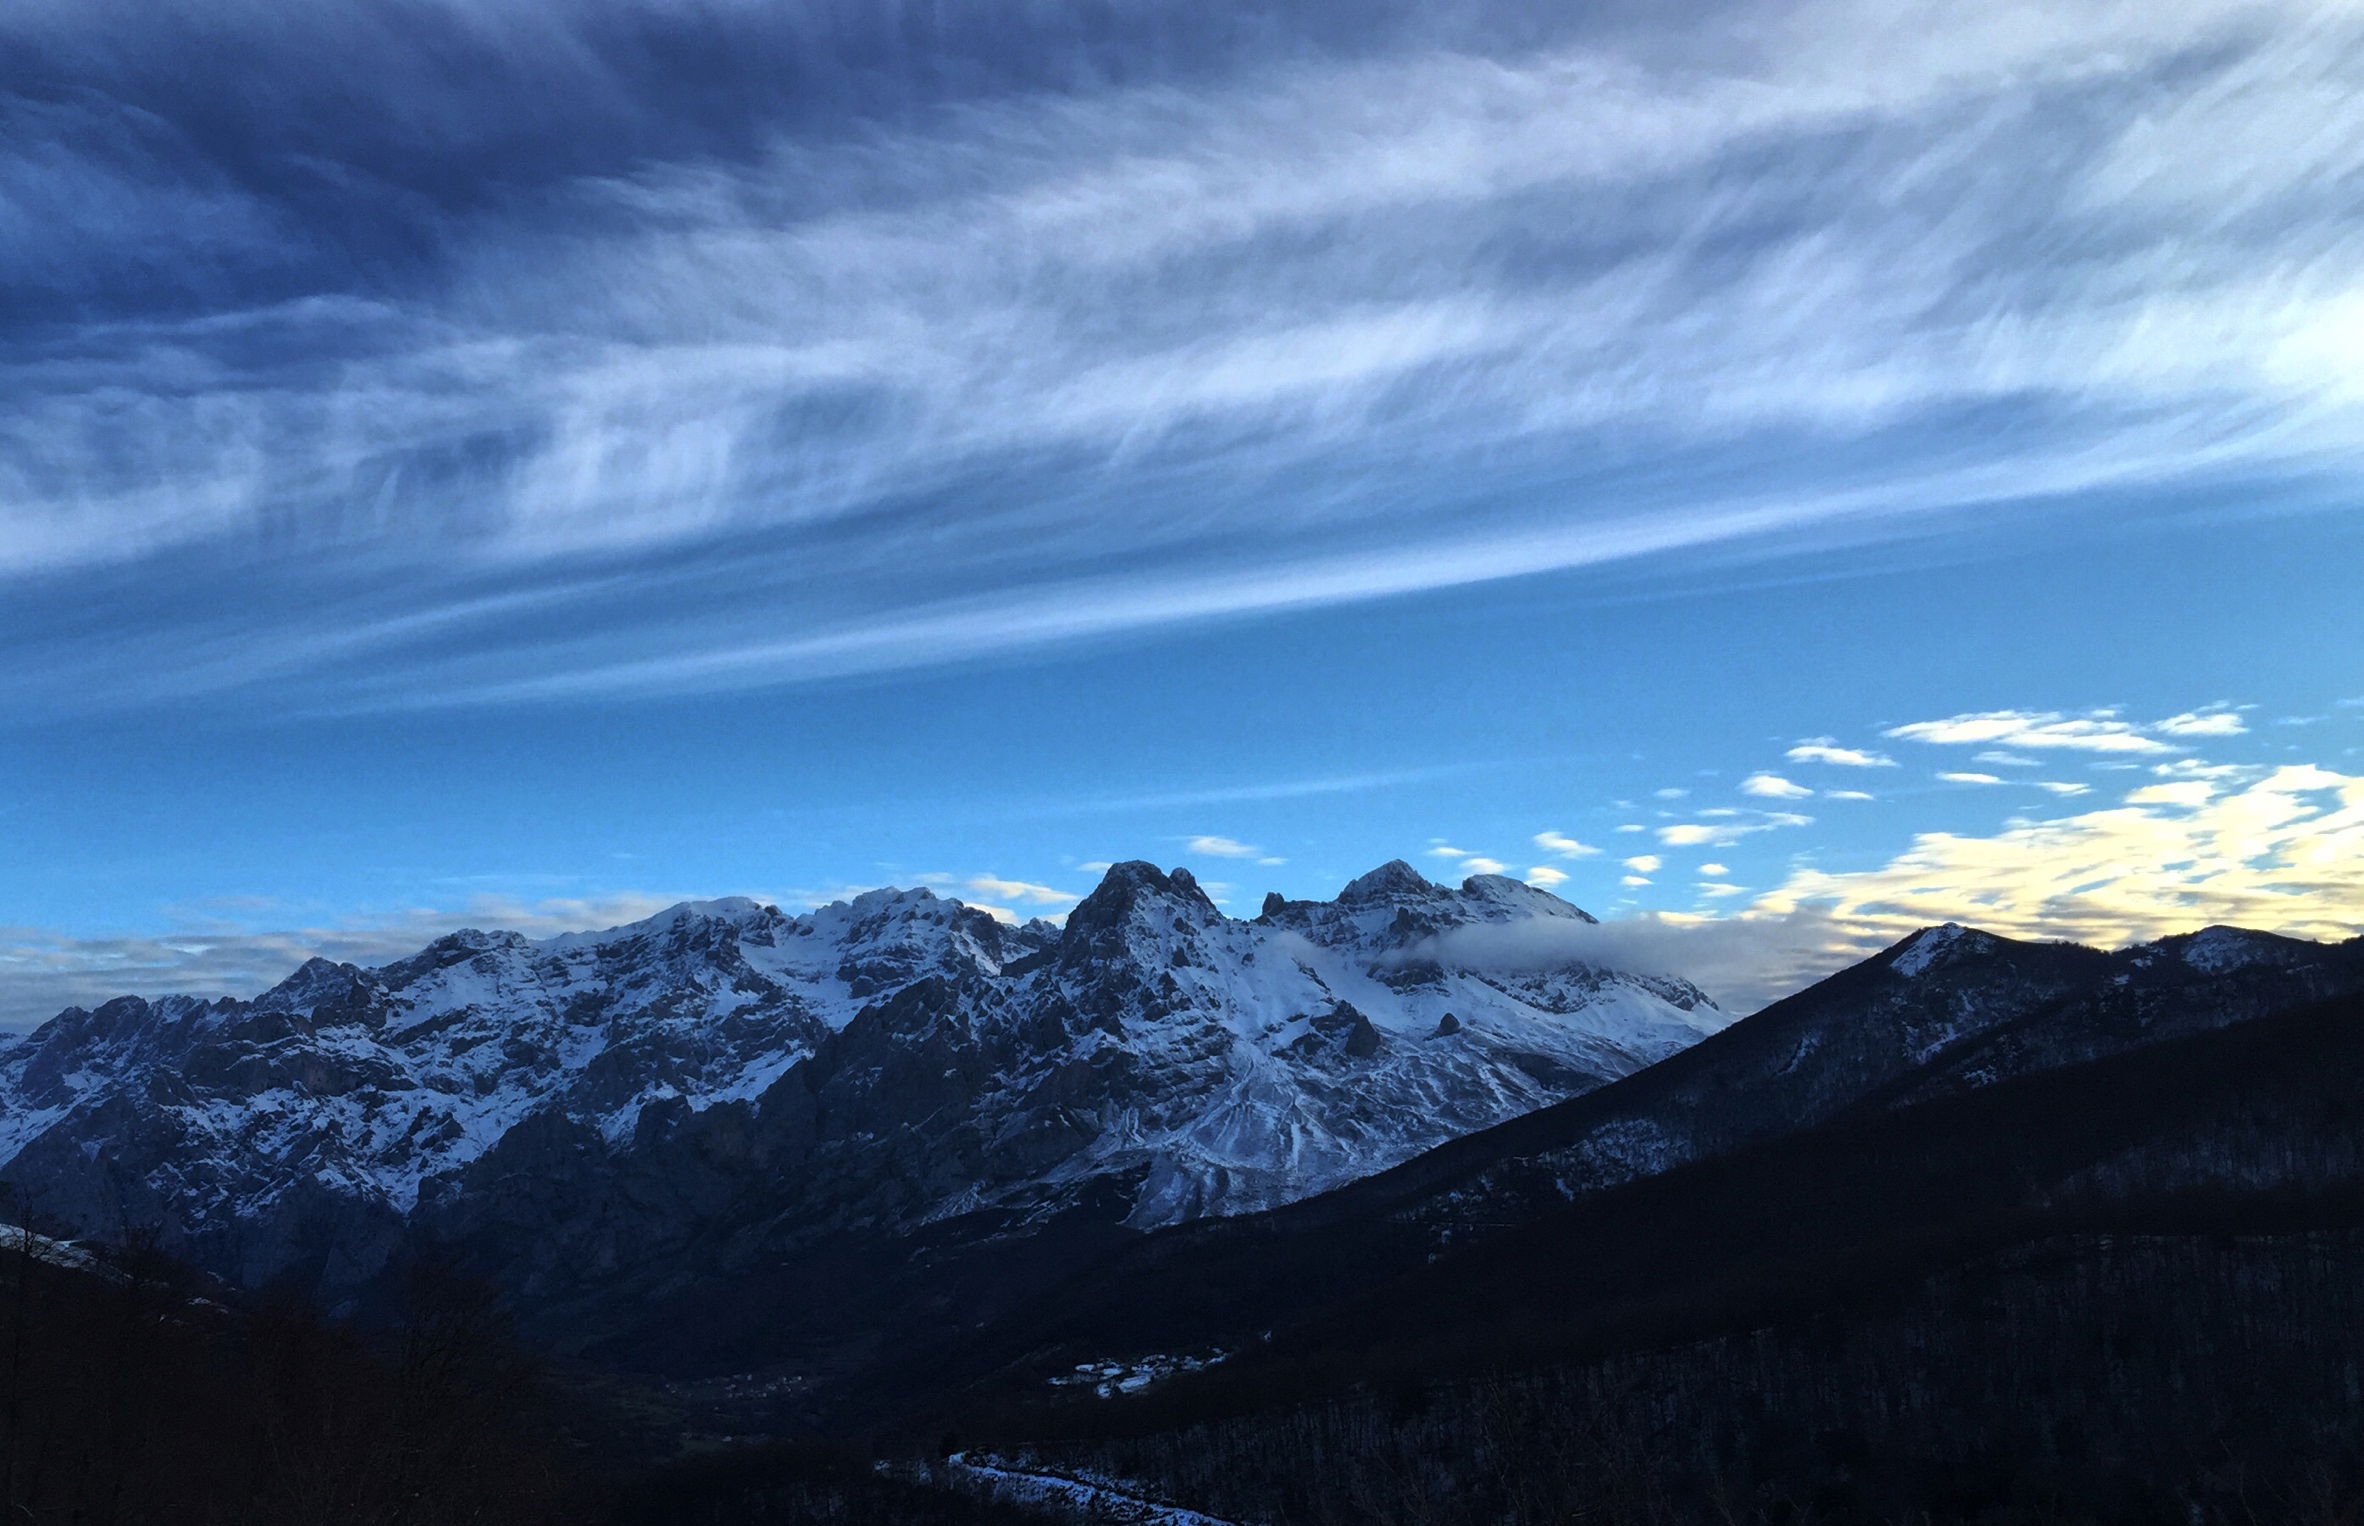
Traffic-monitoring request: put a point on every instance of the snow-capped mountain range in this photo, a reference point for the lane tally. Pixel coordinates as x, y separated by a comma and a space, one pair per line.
875, 1066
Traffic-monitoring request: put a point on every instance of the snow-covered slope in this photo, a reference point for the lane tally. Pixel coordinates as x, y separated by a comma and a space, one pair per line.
1194, 1063
1947, 1010
1487, 1228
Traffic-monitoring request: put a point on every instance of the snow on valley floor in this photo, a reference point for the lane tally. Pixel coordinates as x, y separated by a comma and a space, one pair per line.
1103, 1499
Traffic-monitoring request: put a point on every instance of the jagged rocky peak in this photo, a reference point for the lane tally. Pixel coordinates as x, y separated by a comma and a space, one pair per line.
1395, 909
312, 979
729, 908
685, 924
321, 986
1393, 880
467, 944
1130, 892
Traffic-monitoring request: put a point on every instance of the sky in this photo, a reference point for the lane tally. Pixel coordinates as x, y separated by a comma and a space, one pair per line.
1778, 480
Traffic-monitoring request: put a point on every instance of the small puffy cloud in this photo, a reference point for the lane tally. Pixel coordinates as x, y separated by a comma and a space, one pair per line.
1633, 826
2063, 787
1272, 863
1564, 845
1634, 880
1714, 871
2095, 731
1471, 863
1544, 876
1773, 787
1644, 863
2203, 723
1096, 866
1846, 794
1969, 778
1827, 750
2001, 759
1016, 890
1717, 891
1222, 847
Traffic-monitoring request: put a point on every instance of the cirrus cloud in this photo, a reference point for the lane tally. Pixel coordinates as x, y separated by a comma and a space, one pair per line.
472, 367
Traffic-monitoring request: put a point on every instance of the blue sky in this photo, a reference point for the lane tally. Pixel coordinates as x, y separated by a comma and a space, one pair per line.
479, 461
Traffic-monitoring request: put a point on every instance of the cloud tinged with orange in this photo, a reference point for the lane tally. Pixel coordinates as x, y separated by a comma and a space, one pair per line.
2282, 852
2279, 849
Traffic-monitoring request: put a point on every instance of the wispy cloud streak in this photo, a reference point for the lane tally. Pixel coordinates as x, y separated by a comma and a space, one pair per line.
646, 389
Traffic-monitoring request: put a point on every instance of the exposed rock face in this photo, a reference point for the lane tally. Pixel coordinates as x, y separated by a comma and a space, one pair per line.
724, 1086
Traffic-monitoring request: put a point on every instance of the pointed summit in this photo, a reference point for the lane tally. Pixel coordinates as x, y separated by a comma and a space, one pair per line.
1391, 879
1128, 889
315, 983
1134, 878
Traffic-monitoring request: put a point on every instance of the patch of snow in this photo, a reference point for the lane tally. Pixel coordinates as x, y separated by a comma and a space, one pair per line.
1103, 1499
2218, 950
1929, 944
